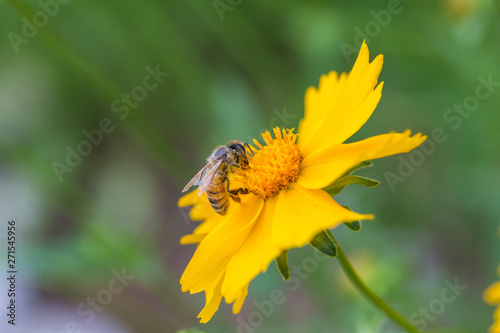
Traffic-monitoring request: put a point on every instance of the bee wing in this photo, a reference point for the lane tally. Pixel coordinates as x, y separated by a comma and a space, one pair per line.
197, 179
210, 174
204, 177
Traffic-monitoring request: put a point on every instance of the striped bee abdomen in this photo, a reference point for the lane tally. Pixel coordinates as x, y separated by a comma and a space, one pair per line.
217, 194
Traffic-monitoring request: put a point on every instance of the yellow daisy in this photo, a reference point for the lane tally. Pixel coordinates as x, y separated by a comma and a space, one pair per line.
286, 205
492, 296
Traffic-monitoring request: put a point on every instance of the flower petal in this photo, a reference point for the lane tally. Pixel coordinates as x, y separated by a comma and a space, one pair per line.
492, 294
192, 239
218, 247
188, 199
201, 211
240, 300
302, 213
341, 104
322, 167
254, 256
213, 299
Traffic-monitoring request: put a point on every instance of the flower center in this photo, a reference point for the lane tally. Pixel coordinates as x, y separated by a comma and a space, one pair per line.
274, 166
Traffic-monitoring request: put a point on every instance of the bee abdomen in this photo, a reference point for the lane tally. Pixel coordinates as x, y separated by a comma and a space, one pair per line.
215, 201
221, 206
217, 196
219, 202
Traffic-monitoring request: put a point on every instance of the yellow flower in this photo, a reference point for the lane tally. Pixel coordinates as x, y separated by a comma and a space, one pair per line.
492, 296
287, 206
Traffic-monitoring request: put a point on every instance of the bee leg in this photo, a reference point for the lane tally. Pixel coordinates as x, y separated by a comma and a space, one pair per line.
239, 191
233, 166
235, 197
234, 193
231, 193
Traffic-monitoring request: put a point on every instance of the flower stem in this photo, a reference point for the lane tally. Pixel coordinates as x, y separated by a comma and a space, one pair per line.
368, 293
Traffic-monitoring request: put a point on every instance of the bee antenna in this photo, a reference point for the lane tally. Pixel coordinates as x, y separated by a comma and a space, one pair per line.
247, 145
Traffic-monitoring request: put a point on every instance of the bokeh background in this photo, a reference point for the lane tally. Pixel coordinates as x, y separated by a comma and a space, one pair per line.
229, 70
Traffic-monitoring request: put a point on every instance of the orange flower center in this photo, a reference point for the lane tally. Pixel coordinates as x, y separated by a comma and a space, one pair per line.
274, 166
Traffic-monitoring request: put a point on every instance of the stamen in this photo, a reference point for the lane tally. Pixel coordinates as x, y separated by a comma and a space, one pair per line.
275, 165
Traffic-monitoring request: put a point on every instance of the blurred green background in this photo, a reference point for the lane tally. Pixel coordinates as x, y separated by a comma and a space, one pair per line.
228, 70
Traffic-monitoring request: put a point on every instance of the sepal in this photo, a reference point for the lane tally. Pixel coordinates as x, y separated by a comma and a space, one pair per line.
347, 179
354, 225
282, 263
364, 164
337, 186
324, 244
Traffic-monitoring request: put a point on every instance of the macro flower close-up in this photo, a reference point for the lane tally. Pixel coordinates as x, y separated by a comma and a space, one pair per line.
286, 205
231, 166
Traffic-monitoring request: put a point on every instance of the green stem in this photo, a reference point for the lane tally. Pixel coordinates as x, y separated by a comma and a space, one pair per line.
368, 293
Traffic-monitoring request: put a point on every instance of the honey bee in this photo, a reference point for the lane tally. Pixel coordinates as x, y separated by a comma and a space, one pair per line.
213, 177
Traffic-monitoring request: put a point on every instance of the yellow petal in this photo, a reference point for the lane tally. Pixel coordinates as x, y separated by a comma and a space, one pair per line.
217, 248
189, 199
254, 255
240, 300
213, 299
192, 239
201, 207
201, 211
208, 225
302, 213
322, 167
202, 229
495, 328
341, 104
492, 294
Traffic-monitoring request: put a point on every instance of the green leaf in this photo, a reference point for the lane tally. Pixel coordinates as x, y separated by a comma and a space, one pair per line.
282, 263
191, 330
324, 244
337, 186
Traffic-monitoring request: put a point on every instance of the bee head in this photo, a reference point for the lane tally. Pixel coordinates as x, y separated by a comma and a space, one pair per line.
239, 152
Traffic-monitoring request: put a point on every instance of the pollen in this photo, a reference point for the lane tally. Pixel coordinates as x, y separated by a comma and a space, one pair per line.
274, 166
